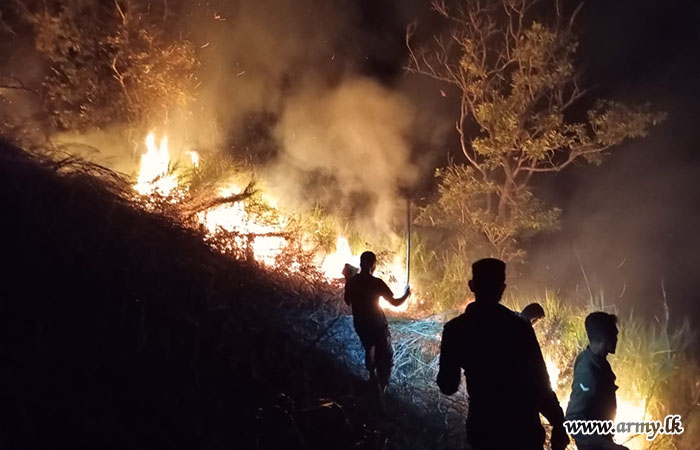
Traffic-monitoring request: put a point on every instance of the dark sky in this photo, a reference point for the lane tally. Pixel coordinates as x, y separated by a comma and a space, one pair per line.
642, 205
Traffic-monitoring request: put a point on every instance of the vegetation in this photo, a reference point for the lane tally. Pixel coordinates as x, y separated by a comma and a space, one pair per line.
521, 114
122, 320
138, 325
109, 62
124, 329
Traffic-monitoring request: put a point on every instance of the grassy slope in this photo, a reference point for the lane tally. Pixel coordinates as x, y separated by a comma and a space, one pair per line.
119, 329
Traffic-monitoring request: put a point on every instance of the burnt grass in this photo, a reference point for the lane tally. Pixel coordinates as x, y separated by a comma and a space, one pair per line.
121, 329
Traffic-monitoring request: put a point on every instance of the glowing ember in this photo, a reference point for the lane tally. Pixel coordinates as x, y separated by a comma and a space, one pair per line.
154, 176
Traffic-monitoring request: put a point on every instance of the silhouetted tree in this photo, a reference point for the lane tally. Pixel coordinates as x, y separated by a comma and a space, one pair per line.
512, 63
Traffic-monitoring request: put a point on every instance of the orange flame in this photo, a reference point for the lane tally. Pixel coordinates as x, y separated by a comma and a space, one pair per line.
264, 239
154, 176
333, 264
235, 218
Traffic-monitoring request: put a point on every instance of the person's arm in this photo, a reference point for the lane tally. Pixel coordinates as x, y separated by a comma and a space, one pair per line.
388, 295
450, 373
584, 391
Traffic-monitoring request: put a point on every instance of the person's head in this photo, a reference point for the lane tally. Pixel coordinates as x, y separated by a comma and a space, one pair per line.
368, 261
601, 329
488, 280
532, 313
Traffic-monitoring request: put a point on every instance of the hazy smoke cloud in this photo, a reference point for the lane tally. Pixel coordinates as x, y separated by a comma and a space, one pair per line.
283, 77
346, 147
256, 53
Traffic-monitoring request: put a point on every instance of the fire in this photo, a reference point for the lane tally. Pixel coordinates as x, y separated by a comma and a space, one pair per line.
553, 371
628, 409
194, 157
154, 176
393, 273
333, 264
264, 238
265, 242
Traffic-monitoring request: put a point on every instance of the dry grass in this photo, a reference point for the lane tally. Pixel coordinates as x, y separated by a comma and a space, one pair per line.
126, 329
122, 328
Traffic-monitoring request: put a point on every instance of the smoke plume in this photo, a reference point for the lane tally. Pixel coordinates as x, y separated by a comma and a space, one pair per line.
283, 85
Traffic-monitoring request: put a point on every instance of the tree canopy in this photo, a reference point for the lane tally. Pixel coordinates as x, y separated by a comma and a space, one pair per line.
109, 62
520, 95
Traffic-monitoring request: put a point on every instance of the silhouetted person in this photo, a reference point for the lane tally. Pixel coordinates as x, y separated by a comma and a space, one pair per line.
593, 388
507, 380
362, 292
532, 313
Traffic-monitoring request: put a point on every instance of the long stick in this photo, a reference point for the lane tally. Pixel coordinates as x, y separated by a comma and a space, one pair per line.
408, 240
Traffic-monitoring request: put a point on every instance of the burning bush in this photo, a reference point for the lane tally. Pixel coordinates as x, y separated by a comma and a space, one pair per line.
245, 222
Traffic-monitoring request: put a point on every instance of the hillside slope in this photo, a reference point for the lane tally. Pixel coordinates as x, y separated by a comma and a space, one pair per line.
120, 329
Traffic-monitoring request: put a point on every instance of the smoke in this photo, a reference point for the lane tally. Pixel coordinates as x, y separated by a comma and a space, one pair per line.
312, 94
283, 85
309, 93
627, 224
633, 220
254, 54
353, 140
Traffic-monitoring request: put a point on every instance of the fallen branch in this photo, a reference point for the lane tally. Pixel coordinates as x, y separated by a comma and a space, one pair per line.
197, 205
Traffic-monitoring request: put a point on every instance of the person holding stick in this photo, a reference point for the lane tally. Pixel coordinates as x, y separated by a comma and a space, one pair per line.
362, 293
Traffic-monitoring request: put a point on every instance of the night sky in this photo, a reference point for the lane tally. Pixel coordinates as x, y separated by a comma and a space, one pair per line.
641, 205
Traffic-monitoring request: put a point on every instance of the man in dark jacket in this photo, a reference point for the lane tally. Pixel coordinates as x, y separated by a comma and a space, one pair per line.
593, 388
506, 376
362, 292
